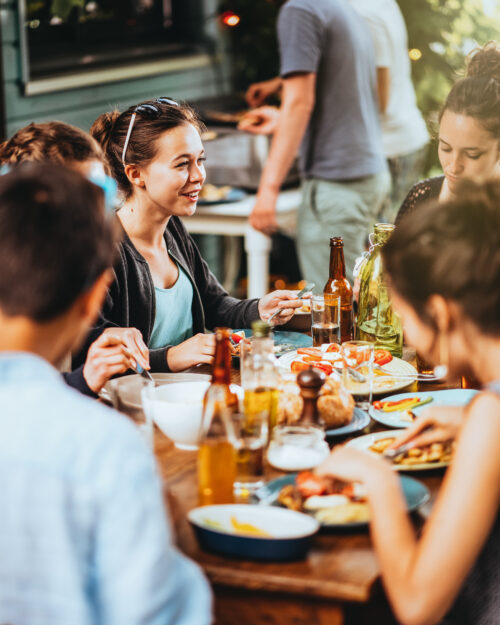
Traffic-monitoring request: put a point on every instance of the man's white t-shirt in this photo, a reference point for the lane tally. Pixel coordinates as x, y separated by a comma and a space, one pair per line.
403, 127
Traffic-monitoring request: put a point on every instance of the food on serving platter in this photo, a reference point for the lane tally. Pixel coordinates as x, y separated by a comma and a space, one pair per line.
352, 512
211, 193
238, 527
327, 499
225, 117
436, 452
335, 404
237, 338
403, 405
290, 404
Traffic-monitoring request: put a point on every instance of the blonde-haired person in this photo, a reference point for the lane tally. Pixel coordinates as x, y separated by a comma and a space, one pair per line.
443, 263
117, 349
469, 131
162, 285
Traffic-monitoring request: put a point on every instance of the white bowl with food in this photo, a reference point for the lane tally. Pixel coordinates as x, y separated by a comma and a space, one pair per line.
177, 410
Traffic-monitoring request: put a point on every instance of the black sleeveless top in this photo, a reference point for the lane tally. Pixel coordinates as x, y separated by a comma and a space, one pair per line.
478, 602
423, 191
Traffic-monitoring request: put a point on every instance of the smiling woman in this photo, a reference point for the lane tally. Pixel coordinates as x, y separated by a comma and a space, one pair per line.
469, 132
162, 285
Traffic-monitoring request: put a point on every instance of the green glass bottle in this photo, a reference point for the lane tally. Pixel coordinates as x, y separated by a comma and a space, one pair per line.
377, 321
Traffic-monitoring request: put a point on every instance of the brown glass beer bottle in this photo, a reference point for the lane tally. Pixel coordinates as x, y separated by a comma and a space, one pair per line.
338, 286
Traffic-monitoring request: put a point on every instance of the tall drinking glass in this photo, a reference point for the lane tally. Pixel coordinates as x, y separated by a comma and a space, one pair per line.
325, 320
357, 373
250, 435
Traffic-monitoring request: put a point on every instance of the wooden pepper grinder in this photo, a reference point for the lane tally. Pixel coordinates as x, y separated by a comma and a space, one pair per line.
310, 381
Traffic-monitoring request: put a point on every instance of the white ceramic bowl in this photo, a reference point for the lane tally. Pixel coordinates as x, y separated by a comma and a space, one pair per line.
177, 410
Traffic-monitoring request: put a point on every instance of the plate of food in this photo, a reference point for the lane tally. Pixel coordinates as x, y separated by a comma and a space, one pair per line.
400, 411
328, 359
212, 194
335, 407
334, 504
283, 341
434, 456
253, 532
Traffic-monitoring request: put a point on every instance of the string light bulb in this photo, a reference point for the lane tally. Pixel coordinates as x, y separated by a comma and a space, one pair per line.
415, 54
229, 18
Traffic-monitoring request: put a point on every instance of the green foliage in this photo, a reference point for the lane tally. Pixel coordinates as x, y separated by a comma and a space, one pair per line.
443, 30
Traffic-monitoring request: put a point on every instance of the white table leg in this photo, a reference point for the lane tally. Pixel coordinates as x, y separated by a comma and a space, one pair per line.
257, 247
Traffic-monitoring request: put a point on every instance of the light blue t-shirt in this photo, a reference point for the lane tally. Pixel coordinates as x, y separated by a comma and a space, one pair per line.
343, 140
84, 539
174, 317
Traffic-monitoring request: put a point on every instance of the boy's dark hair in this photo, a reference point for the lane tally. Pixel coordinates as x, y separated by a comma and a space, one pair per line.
55, 239
451, 249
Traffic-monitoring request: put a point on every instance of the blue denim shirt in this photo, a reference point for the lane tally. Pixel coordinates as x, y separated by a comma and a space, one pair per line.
84, 538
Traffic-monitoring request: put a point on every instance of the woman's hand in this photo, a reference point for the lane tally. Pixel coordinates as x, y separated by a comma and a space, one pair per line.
132, 339
199, 349
352, 465
261, 121
107, 356
285, 301
444, 423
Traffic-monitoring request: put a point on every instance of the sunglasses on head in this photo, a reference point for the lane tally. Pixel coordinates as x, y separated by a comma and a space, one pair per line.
146, 110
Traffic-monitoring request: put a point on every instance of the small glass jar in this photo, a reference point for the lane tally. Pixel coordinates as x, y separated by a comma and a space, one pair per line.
297, 447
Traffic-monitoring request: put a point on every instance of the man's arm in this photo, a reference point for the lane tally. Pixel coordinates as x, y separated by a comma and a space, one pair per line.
298, 98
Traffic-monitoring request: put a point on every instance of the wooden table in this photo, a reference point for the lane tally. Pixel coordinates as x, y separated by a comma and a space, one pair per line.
340, 569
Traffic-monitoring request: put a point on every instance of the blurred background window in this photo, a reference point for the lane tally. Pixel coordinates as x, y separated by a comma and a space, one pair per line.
67, 35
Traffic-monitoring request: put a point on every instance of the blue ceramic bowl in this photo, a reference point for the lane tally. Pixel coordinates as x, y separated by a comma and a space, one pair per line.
290, 532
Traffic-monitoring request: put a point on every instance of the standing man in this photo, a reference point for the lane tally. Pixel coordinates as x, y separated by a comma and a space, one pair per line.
329, 109
404, 131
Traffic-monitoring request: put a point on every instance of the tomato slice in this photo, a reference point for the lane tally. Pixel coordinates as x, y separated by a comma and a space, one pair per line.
382, 357
311, 359
333, 347
323, 366
297, 366
310, 351
309, 484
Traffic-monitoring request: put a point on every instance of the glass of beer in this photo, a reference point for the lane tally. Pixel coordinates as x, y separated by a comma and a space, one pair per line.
249, 438
357, 372
325, 325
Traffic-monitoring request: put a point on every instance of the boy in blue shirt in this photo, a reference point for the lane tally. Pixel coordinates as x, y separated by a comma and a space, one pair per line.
84, 538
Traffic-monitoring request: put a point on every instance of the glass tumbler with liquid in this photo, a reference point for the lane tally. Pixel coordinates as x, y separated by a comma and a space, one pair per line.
357, 372
249, 438
325, 326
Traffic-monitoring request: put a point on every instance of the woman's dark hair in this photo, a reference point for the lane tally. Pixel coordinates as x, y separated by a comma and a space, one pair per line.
453, 250
110, 130
51, 141
478, 94
55, 239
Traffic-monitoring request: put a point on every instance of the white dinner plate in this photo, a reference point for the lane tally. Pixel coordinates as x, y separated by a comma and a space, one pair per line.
450, 397
381, 385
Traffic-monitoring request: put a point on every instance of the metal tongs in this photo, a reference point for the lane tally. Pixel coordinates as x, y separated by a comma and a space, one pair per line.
306, 289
